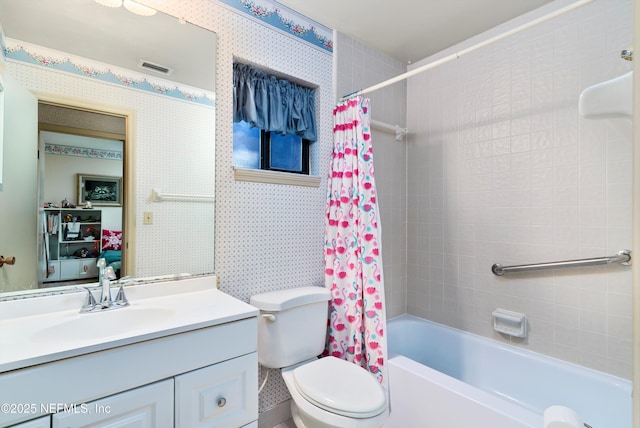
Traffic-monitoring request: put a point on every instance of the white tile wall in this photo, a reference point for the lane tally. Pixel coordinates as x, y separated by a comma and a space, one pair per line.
502, 169
357, 67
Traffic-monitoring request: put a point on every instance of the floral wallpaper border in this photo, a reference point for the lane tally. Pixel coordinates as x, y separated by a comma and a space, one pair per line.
60, 61
85, 152
287, 20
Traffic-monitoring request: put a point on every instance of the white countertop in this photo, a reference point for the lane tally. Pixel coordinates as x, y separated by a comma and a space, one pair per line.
45, 329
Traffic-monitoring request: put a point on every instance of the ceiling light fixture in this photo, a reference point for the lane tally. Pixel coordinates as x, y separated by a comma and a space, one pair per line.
130, 5
110, 3
138, 9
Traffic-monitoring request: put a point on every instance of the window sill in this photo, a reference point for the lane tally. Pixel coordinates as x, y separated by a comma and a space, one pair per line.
275, 177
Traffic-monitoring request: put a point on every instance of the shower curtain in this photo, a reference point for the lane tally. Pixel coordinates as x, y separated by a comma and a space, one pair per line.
353, 263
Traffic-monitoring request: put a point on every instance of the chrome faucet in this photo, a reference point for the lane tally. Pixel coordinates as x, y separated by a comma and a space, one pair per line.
102, 265
105, 283
105, 275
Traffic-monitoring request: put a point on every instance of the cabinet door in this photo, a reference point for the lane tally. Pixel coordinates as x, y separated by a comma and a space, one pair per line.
78, 268
69, 269
223, 395
44, 422
149, 406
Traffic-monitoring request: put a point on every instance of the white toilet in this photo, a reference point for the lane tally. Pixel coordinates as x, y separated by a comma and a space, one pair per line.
326, 392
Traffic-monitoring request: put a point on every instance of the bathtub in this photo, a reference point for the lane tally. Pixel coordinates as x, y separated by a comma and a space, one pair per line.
443, 377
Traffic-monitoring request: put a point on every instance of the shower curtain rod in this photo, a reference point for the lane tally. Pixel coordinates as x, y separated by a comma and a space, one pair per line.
465, 51
400, 132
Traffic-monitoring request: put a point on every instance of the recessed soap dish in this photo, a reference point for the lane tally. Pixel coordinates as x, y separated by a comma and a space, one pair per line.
510, 323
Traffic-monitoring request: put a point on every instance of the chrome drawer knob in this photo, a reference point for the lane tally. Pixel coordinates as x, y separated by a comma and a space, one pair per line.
222, 401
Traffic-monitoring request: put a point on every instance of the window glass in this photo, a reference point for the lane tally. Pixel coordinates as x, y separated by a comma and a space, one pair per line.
246, 146
285, 152
254, 148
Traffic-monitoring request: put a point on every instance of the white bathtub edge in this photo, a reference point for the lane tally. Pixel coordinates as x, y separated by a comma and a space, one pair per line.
512, 415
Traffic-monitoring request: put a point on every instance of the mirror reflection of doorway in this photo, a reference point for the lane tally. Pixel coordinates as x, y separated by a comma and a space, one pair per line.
78, 150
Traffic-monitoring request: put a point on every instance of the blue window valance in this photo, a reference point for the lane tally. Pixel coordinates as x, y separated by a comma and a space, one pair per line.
273, 104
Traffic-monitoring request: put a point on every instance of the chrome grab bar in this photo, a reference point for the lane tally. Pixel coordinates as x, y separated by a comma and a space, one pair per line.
623, 257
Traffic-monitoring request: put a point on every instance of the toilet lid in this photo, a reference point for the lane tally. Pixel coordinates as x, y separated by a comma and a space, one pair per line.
341, 387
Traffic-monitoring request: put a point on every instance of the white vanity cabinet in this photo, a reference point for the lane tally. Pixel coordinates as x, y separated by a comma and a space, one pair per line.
222, 395
206, 377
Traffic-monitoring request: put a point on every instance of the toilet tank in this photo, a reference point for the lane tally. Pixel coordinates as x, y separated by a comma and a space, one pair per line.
292, 326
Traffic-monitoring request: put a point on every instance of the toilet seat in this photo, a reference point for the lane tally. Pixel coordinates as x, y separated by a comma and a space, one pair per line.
340, 387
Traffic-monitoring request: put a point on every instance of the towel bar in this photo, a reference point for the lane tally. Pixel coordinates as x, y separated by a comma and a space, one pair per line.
158, 196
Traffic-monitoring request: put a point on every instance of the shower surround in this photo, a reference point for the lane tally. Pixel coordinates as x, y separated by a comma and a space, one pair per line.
501, 169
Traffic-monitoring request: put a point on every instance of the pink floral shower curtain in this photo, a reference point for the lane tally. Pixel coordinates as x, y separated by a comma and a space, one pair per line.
353, 263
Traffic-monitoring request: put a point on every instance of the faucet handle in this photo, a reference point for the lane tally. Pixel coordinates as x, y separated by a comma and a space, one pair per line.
121, 298
89, 302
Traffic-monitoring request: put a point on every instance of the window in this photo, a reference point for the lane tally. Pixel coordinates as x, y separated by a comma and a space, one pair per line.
256, 148
274, 125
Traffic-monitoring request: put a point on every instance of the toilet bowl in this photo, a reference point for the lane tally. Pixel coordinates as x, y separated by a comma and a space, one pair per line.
325, 392
333, 393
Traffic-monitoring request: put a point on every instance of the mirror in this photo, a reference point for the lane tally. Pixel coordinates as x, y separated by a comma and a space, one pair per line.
78, 56
81, 162
1, 128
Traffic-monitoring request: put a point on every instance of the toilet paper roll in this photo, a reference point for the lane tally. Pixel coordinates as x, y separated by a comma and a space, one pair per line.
561, 417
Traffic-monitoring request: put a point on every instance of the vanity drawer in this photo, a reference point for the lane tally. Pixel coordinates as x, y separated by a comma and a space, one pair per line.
224, 395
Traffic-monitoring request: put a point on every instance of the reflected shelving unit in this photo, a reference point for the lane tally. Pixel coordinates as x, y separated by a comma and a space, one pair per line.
71, 243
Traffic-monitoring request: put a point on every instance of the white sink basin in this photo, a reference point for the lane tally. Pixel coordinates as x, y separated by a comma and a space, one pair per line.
50, 328
95, 325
